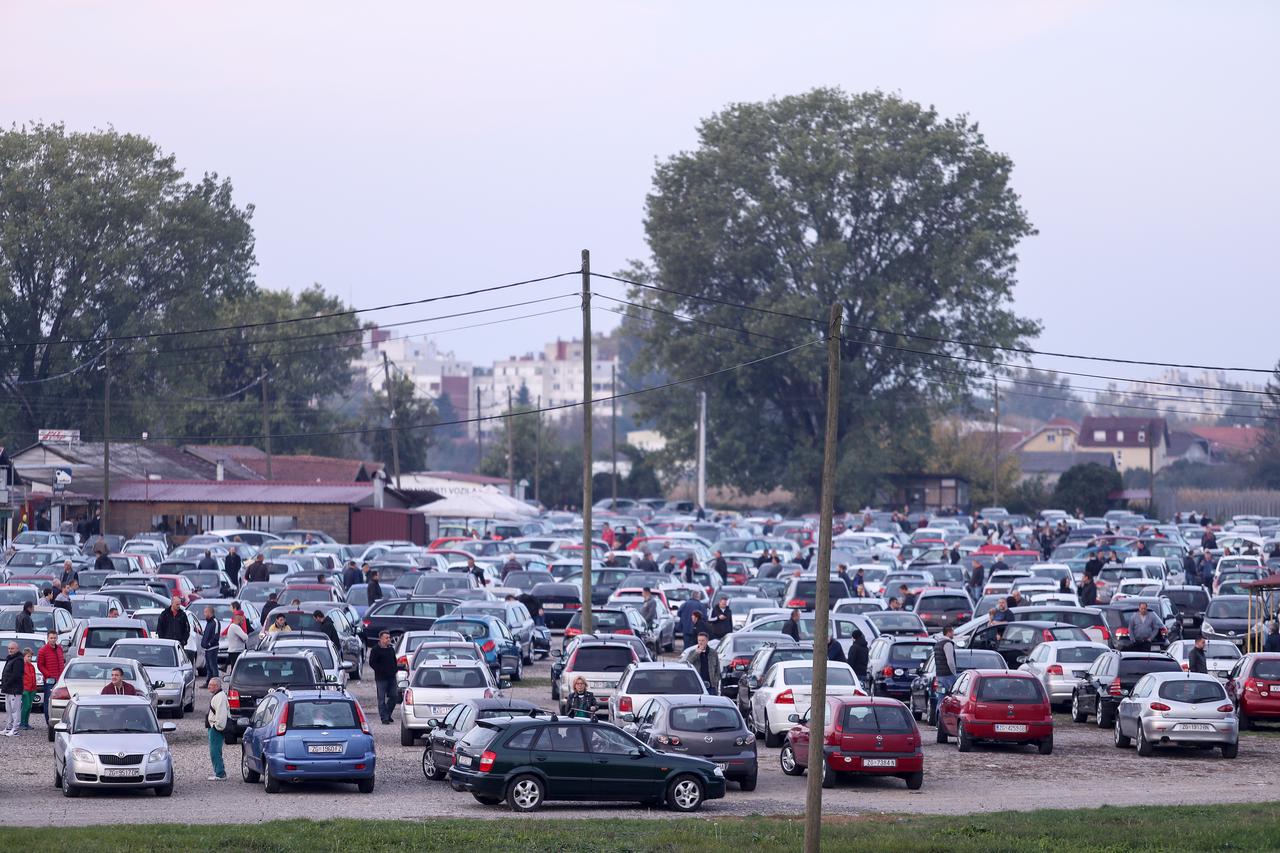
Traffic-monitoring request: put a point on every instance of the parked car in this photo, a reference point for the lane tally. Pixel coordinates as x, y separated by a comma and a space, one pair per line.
1119, 613
1178, 708
1060, 664
1110, 678
1254, 685
436, 686
787, 689
95, 637
703, 726
764, 658
256, 674
513, 614
643, 680
1227, 618
893, 663
614, 620
150, 616
996, 705
1220, 655
111, 742
940, 608
927, 691
1015, 640
560, 602
336, 670
86, 676
397, 616
735, 652
1189, 603
173, 676
862, 735
901, 623
444, 735
304, 734
501, 652
601, 664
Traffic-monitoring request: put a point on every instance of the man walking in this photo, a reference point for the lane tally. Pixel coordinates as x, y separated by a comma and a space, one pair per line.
216, 722
688, 608
382, 660
1144, 628
209, 646
1197, 661
705, 660
11, 687
52, 660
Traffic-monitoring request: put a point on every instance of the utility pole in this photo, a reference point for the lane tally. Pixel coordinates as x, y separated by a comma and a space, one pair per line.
511, 447
613, 427
266, 423
537, 453
391, 405
702, 449
995, 473
106, 445
586, 441
821, 604
479, 434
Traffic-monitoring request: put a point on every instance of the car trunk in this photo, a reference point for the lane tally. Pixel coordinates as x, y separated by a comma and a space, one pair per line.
317, 743
1000, 712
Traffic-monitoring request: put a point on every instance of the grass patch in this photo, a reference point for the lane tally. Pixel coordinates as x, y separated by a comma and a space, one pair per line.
1254, 826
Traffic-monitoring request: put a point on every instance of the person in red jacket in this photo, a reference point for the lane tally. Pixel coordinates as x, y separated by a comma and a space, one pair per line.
117, 686
28, 687
52, 660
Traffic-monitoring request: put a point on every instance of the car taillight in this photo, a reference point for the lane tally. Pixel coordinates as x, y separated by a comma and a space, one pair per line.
1106, 635
626, 631
1160, 706
283, 725
1250, 684
1164, 632
1099, 583
145, 635
572, 632
796, 602
1122, 632
1048, 635
1226, 709
887, 672
489, 645
408, 697
233, 698
364, 723
486, 760
1054, 669
60, 694
964, 616
83, 640
934, 686
1186, 667
740, 663
402, 662
668, 740
572, 605
624, 704
786, 697
367, 623
1116, 689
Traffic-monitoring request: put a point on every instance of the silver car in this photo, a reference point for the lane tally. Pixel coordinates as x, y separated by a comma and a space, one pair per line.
112, 742
1060, 664
85, 677
1178, 708
173, 676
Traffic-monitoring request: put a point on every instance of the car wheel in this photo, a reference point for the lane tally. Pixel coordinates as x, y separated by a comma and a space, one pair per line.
247, 773
942, 733
164, 790
685, 794
57, 778
965, 742
429, 767
1230, 750
1121, 740
829, 776
518, 675
748, 783
1245, 723
487, 801
365, 786
525, 793
1144, 746
1078, 714
914, 780
787, 760
406, 735
179, 711
1046, 746
1105, 716
269, 783
69, 790
771, 740
50, 730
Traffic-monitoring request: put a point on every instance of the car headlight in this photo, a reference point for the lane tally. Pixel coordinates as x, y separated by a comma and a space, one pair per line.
158, 756
82, 755
717, 771
1206, 627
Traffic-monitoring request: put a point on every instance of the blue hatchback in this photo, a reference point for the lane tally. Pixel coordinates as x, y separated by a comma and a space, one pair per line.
501, 651
308, 735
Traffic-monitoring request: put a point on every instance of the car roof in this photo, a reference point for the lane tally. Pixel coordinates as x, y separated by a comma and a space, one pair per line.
694, 699
107, 622
146, 641
662, 664
110, 699
1017, 673
1180, 675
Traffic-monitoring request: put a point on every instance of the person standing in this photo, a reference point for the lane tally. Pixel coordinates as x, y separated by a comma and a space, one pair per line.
231, 567
721, 565
1197, 661
272, 602
648, 607
704, 659
68, 573
1093, 566
721, 619
207, 563
324, 626
237, 639
28, 687
52, 660
24, 624
607, 536
209, 645
11, 687
351, 575
944, 660
173, 623
103, 562
1272, 642
859, 655
374, 588
1088, 592
691, 611
216, 722
1144, 628
835, 651
792, 626
382, 660
976, 578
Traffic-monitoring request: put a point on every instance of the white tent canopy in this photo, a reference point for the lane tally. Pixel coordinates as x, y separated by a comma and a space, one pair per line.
483, 503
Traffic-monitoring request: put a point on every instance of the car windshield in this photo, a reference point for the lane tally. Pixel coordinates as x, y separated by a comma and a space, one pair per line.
468, 629
87, 670
1014, 691
888, 620
150, 655
1219, 609
305, 594
1078, 654
648, 681
452, 651
803, 676
260, 672
1192, 691
88, 608
114, 719
600, 659
322, 714
607, 622
105, 638
809, 589
1115, 575
697, 718
444, 677
940, 603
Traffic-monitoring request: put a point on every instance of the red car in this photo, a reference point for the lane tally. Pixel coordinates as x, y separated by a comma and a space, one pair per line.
996, 705
874, 736
1254, 685
180, 586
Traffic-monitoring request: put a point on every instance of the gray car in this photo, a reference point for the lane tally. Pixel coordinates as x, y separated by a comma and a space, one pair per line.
173, 677
112, 742
1178, 709
94, 637
709, 727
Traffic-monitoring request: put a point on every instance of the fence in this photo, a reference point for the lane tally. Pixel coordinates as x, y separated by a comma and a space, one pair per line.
1219, 503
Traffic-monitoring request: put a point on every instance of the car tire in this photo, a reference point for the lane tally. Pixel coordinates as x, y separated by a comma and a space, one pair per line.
748, 783
1078, 714
526, 793
179, 712
914, 780
1105, 716
365, 786
518, 675
1230, 750
685, 794
1144, 746
487, 801
942, 733
963, 740
164, 790
69, 790
829, 776
1121, 741
406, 735
1245, 723
771, 740
57, 778
247, 773
430, 770
50, 730
1046, 746
270, 784
787, 760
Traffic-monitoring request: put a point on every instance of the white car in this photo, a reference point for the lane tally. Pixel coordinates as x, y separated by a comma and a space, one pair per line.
873, 575
335, 669
436, 686
787, 689
1054, 598
643, 680
859, 605
1060, 664
1001, 583
1134, 587
1220, 655
1054, 572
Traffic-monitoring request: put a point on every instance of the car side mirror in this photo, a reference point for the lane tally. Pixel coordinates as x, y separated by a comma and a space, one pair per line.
752, 682
793, 718
557, 654
156, 685
168, 727
504, 685
1023, 658
348, 665
433, 723
62, 727
638, 752
628, 718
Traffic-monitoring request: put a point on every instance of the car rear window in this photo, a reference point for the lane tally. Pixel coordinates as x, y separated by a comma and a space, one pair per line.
699, 718
260, 672
149, 655
648, 681
803, 676
88, 670
479, 737
1078, 654
979, 659
1011, 690
877, 718
1079, 619
1193, 691
1141, 666
470, 630
322, 714
939, 603
1267, 670
809, 589
894, 621
910, 652
597, 659
446, 677
105, 638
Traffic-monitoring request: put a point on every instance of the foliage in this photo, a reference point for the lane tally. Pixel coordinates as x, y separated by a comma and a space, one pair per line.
1030, 391
1085, 487
1266, 455
1029, 497
411, 411
972, 455
904, 217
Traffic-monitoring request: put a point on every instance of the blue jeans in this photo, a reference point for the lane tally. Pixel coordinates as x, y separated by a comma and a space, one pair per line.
210, 664
48, 688
386, 697
215, 752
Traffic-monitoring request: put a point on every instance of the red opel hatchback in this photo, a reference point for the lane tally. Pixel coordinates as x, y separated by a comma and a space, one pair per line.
996, 705
866, 735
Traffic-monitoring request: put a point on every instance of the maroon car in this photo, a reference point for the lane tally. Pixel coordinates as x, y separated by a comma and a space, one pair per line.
996, 705
864, 735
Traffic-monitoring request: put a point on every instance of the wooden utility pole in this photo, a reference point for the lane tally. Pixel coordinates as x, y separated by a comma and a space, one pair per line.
479, 434
106, 445
995, 472
702, 450
537, 453
266, 422
391, 406
821, 604
511, 446
613, 427
586, 441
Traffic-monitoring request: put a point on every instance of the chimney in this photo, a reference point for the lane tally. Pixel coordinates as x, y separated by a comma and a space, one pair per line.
221, 472
379, 491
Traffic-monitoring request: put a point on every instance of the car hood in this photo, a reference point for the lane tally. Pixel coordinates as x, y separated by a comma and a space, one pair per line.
166, 674
92, 687
112, 743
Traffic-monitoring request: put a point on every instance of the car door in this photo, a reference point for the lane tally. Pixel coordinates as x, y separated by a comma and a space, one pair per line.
799, 737
1089, 686
920, 686
1129, 712
259, 724
949, 707
1016, 642
456, 724
617, 769
759, 716
560, 752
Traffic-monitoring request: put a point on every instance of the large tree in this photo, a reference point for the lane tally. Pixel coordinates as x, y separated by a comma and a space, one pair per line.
1266, 455
904, 217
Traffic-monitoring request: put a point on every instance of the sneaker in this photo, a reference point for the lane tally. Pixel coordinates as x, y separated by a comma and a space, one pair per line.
216, 779
10, 732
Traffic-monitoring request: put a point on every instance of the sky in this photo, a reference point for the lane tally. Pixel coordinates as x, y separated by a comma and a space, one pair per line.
400, 150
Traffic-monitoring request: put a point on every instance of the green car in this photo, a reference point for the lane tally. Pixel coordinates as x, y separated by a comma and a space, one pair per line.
527, 761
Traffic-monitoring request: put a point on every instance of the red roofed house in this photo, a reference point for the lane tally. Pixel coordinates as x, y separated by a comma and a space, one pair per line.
1133, 442
1229, 441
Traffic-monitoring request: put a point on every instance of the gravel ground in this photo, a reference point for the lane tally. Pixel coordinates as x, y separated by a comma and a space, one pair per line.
1084, 770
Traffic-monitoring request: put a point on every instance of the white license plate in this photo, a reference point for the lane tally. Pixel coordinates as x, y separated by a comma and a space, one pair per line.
464, 760
1188, 621
1011, 728
553, 606
324, 747
1193, 727
120, 771
722, 767
879, 762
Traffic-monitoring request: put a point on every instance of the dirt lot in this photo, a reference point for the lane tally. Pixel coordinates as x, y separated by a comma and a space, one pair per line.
1084, 770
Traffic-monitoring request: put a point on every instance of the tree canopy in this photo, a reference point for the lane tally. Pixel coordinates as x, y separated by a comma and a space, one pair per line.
1085, 487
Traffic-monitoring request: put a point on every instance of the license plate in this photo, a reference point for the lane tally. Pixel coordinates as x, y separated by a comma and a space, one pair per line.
1011, 728
879, 762
1193, 727
553, 606
464, 760
722, 767
1188, 621
120, 771
324, 747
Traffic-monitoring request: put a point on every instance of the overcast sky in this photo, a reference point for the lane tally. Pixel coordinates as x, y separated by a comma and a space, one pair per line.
396, 150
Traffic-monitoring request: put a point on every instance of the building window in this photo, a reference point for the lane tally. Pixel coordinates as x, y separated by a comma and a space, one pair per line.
1142, 436
1100, 436
1051, 438
1119, 436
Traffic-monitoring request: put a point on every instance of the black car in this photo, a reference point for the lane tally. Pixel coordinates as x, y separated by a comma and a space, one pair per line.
438, 754
803, 592
1190, 603
527, 761
1227, 618
735, 652
560, 601
398, 615
1112, 677
765, 657
612, 620
1117, 615
893, 663
1015, 640
604, 582
256, 674
926, 691
902, 623
938, 608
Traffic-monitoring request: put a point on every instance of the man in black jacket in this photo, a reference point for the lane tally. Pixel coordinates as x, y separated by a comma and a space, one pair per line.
24, 624
257, 571
272, 602
11, 687
103, 562
722, 566
232, 565
1094, 565
382, 660
351, 575
207, 563
173, 623
858, 655
326, 628
1196, 660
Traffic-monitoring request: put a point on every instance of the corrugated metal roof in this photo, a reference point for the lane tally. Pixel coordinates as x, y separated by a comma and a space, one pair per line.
240, 491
